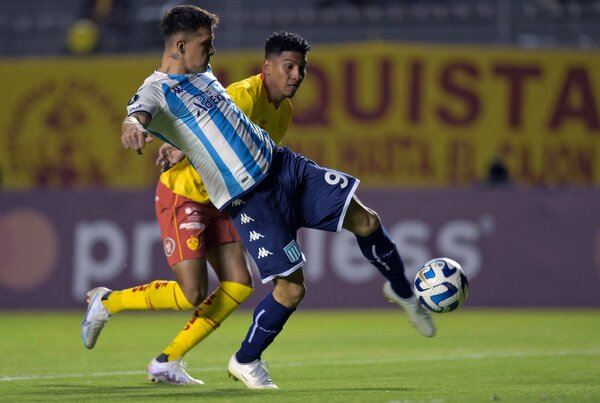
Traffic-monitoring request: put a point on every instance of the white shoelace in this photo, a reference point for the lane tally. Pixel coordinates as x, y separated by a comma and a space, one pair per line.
260, 372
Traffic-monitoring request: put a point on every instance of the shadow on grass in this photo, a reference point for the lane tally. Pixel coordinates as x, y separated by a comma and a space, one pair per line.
65, 392
94, 392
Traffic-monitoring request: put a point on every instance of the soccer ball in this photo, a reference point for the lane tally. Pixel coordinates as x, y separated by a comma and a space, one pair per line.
441, 285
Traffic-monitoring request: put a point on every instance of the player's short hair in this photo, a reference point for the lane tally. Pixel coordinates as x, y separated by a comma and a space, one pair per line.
282, 41
186, 18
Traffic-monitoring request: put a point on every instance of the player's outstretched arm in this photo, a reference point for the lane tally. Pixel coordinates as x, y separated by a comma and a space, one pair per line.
134, 135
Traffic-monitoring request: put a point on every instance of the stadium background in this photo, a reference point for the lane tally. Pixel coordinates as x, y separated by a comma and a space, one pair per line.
419, 99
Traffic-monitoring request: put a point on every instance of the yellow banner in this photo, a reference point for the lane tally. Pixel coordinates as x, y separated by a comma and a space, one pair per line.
401, 115
394, 115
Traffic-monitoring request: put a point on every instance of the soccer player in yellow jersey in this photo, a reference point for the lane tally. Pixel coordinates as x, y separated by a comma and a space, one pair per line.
194, 231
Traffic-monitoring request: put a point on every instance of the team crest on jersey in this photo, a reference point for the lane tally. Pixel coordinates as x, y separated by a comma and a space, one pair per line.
292, 250
169, 246
193, 243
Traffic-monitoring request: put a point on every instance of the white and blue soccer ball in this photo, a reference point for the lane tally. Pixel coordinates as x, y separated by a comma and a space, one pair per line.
441, 285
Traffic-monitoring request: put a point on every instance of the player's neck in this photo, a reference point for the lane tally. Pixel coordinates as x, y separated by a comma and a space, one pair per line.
172, 64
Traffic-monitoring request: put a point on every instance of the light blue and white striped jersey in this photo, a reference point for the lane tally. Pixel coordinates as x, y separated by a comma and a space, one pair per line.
194, 113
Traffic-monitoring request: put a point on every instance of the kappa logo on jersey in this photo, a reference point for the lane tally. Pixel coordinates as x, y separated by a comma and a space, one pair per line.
262, 252
237, 202
292, 250
255, 236
177, 89
245, 219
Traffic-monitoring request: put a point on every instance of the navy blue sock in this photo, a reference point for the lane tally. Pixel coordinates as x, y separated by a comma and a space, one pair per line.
269, 318
381, 251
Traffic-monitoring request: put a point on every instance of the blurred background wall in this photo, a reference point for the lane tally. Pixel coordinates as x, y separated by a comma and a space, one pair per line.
474, 127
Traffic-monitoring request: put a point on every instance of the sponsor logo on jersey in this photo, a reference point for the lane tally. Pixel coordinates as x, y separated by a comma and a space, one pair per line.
262, 252
192, 210
169, 246
193, 243
191, 225
292, 250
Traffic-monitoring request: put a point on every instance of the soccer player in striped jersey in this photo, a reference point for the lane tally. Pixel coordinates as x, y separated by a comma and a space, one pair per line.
269, 191
193, 229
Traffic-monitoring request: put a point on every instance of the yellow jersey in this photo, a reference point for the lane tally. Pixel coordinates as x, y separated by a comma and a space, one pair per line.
252, 97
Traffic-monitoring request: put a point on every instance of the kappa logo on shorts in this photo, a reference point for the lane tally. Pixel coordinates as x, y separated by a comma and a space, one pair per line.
237, 202
245, 218
262, 252
255, 236
292, 250
169, 245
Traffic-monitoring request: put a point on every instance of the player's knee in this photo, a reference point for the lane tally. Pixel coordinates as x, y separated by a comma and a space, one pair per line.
366, 223
297, 294
291, 295
194, 296
242, 277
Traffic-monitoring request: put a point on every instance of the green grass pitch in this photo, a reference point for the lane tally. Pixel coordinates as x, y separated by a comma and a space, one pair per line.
322, 356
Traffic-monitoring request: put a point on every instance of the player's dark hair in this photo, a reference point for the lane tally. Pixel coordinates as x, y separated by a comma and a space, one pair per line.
285, 42
186, 18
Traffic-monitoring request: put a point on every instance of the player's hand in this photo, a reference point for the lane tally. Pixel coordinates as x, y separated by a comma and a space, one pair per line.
168, 156
133, 135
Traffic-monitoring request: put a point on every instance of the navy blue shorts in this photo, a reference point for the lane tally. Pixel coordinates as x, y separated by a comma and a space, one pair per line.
296, 193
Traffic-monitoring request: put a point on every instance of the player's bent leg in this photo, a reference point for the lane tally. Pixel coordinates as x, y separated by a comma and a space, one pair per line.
218, 306
378, 247
417, 315
206, 318
95, 317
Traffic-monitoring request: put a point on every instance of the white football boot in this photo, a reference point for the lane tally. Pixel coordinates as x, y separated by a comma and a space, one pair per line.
418, 316
171, 373
254, 374
95, 318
